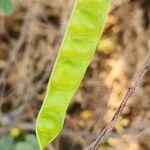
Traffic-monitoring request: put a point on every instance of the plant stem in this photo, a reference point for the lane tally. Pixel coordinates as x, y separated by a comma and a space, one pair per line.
122, 105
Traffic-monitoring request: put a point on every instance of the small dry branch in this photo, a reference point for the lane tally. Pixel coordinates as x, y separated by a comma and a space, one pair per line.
122, 105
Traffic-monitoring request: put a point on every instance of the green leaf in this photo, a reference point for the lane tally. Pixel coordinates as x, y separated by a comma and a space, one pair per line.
24, 146
6, 6
30, 138
6, 143
78, 46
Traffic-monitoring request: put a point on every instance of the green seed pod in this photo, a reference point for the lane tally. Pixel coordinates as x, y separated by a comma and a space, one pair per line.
76, 51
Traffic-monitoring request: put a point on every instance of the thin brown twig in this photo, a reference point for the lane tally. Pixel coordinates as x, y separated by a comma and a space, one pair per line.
122, 105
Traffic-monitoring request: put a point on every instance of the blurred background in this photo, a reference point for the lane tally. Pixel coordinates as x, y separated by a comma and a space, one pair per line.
29, 41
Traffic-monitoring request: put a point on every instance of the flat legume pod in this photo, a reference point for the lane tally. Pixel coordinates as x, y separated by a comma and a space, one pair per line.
76, 51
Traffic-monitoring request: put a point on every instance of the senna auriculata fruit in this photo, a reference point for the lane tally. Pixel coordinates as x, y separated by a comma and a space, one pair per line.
78, 46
